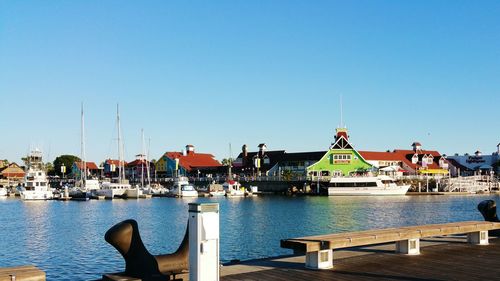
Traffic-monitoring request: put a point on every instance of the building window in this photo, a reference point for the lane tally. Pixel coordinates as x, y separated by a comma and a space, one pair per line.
325, 173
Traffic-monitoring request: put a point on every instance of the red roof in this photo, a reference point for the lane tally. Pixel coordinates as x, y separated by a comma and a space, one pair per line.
407, 154
376, 155
114, 162
194, 160
90, 165
137, 162
404, 156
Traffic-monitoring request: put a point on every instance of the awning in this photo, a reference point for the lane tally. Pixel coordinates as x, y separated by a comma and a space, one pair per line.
485, 167
434, 171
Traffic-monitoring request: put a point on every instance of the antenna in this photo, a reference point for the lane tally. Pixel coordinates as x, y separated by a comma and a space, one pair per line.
341, 114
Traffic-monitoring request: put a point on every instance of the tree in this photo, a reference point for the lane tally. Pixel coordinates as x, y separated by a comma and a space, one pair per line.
67, 160
227, 161
49, 168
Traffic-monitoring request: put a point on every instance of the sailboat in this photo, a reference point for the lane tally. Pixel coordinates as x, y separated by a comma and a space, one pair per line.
118, 186
231, 187
138, 190
84, 187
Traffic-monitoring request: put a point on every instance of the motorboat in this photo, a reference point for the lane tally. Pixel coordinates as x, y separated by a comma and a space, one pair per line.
233, 189
182, 188
36, 184
370, 185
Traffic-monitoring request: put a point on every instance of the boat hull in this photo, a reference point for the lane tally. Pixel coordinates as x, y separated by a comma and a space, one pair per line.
367, 191
36, 195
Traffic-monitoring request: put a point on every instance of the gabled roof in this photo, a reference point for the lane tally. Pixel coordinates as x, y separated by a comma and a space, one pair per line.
341, 143
137, 162
90, 165
114, 162
194, 160
406, 155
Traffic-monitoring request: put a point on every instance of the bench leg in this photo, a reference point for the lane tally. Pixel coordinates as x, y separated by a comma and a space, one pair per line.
408, 247
478, 238
322, 259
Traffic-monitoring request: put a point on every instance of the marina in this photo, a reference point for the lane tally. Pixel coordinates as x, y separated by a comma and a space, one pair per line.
42, 232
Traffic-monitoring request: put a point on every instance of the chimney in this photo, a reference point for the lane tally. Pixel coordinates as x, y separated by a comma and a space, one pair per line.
244, 150
262, 149
416, 146
498, 149
184, 152
190, 148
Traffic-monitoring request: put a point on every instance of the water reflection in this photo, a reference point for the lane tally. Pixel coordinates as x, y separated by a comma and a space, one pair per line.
66, 239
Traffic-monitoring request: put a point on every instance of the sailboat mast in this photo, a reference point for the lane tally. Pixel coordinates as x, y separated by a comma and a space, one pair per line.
148, 173
142, 157
83, 168
230, 175
120, 175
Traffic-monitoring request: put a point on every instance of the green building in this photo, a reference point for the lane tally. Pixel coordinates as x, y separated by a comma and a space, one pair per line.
339, 161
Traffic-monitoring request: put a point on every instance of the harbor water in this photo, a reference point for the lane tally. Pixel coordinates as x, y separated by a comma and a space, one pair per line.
66, 238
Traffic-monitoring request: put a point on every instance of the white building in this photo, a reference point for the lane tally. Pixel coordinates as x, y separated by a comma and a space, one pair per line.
470, 164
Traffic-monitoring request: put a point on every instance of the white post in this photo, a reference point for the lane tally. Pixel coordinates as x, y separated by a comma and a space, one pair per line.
322, 259
204, 242
478, 238
408, 247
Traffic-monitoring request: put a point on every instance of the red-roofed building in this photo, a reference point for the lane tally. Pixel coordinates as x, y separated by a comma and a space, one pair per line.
12, 172
111, 167
189, 162
92, 169
407, 159
139, 168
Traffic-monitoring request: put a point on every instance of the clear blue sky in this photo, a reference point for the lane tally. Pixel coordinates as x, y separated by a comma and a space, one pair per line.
210, 73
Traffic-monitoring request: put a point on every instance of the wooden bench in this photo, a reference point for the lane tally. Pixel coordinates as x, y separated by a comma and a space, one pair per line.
319, 249
22, 273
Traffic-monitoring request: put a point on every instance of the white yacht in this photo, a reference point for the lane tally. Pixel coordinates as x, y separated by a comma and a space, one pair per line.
36, 185
233, 189
182, 188
379, 185
3, 191
112, 190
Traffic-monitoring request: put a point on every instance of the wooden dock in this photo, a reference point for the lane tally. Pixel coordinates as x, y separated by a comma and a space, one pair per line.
22, 273
441, 259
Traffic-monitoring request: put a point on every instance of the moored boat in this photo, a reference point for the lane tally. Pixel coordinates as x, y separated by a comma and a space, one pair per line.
370, 185
182, 188
36, 185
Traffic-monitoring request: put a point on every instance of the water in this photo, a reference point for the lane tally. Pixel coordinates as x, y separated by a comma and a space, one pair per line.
66, 238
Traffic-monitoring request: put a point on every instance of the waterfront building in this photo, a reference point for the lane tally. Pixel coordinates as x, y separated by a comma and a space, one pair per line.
477, 163
406, 161
274, 163
340, 160
139, 167
111, 167
12, 172
92, 169
188, 163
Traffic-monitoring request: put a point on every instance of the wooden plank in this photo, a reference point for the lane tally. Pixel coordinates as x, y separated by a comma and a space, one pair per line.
370, 237
22, 273
451, 261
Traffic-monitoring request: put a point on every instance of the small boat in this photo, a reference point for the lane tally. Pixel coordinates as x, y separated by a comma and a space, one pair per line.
215, 189
379, 185
182, 188
3, 191
233, 188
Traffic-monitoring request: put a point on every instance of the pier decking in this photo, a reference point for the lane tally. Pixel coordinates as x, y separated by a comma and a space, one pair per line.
441, 259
